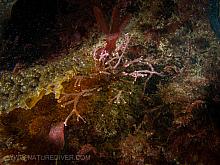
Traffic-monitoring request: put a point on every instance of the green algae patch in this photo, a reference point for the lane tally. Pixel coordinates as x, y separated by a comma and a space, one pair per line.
25, 89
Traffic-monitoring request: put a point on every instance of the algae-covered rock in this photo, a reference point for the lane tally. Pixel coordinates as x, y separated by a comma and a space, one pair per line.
152, 100
25, 89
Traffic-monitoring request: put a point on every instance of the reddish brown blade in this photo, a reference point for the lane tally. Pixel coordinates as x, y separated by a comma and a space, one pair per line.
101, 20
115, 24
56, 135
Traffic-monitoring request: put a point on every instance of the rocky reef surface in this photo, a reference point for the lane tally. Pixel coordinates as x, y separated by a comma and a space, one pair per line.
141, 89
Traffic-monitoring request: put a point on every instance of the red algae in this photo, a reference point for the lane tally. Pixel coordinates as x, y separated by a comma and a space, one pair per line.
56, 135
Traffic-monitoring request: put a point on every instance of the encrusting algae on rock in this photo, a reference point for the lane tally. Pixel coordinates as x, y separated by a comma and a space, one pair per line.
136, 95
26, 88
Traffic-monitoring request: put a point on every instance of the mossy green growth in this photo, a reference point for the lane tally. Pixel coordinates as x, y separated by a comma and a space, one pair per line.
25, 89
114, 109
